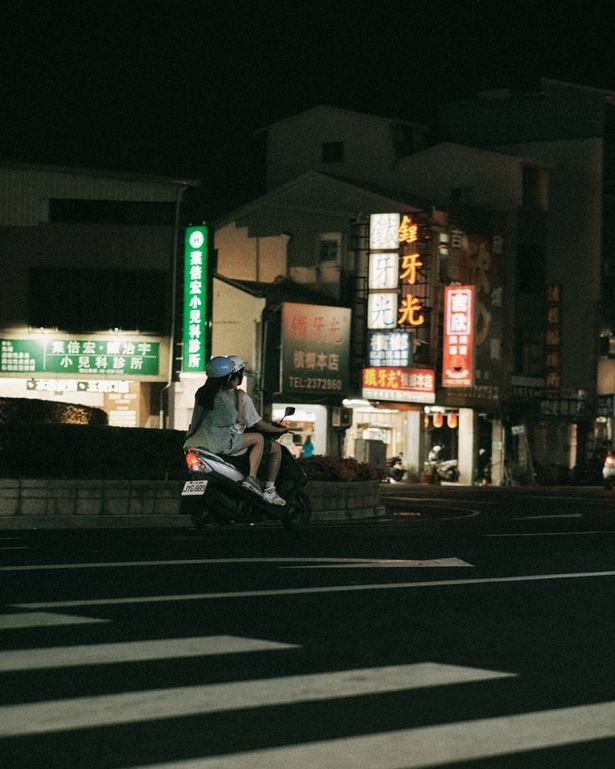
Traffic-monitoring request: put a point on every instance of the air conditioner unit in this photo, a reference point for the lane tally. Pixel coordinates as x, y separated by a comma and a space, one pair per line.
341, 417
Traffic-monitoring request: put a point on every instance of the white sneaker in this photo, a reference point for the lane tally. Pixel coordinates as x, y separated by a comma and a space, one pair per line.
271, 496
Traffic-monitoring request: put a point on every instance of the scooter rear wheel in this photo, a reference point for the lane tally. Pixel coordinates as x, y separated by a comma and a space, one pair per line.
298, 513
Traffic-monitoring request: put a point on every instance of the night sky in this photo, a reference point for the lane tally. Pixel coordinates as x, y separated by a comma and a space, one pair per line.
179, 88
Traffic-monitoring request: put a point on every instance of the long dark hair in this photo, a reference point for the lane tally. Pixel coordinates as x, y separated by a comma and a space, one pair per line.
205, 395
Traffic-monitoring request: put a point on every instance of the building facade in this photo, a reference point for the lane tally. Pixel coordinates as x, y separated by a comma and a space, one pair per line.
86, 296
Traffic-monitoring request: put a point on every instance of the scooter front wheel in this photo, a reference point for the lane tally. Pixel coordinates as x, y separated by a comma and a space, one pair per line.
298, 513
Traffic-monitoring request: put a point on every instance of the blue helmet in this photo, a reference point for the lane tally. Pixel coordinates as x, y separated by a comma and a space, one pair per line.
219, 366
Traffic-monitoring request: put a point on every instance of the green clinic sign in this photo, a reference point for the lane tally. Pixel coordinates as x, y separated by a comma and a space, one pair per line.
194, 355
111, 357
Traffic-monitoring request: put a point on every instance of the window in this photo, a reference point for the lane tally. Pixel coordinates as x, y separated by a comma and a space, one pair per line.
69, 211
531, 269
332, 152
82, 300
329, 246
529, 352
531, 190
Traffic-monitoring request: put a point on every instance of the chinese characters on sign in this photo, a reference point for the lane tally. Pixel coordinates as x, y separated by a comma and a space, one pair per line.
392, 348
398, 289
195, 300
409, 385
458, 342
553, 342
315, 348
113, 357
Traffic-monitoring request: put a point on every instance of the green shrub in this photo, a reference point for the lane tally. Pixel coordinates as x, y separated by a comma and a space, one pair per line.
322, 468
37, 411
80, 451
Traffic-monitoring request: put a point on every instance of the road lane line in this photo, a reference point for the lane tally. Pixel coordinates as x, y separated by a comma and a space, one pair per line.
551, 534
312, 590
131, 707
431, 746
193, 562
134, 651
384, 564
42, 619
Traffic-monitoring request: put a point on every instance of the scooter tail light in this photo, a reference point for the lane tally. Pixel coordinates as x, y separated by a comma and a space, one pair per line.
610, 460
194, 463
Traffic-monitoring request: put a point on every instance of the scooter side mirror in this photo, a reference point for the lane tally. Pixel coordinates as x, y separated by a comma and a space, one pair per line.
289, 411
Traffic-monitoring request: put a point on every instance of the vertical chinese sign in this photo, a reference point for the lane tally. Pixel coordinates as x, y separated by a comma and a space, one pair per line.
458, 341
194, 337
315, 349
398, 309
553, 337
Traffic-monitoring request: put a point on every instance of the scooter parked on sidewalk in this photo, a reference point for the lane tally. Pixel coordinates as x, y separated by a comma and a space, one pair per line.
213, 496
441, 469
394, 470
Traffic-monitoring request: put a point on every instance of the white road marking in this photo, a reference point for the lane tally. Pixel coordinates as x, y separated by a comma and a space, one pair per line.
312, 590
547, 517
552, 534
135, 651
194, 562
42, 619
85, 712
429, 746
386, 564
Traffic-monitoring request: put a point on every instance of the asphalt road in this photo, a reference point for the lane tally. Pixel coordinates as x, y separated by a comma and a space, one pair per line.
467, 629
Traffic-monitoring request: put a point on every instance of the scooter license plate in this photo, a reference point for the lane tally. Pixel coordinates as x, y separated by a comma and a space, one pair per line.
193, 488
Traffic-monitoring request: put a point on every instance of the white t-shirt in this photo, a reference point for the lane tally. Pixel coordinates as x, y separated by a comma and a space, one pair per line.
247, 415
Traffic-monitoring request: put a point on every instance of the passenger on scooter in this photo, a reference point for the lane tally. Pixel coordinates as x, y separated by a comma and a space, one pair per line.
249, 418
214, 417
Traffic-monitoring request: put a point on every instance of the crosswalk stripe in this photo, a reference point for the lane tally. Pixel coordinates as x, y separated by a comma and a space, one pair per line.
84, 712
42, 619
430, 746
438, 583
135, 651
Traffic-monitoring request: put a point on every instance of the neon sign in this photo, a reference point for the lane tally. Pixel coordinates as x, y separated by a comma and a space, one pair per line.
194, 355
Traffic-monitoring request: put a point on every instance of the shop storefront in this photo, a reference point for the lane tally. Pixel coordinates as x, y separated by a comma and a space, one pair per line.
121, 374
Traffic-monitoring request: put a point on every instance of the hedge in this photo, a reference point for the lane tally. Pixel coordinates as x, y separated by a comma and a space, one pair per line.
90, 451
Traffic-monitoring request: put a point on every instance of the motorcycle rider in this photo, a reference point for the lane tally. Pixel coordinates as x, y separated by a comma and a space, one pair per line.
215, 415
250, 419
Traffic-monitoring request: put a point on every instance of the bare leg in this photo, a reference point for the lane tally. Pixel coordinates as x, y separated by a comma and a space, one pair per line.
255, 442
275, 460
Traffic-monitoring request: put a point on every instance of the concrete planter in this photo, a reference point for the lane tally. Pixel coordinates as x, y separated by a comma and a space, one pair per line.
71, 503
59, 503
337, 500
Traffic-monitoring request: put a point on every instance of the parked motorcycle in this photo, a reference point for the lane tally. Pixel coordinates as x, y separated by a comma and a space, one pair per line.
213, 495
441, 469
394, 470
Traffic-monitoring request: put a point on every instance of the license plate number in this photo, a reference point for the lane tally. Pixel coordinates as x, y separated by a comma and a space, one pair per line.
194, 488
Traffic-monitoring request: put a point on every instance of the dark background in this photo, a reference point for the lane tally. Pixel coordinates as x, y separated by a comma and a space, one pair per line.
180, 88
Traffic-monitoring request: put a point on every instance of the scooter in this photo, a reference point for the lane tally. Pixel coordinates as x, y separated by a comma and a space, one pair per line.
214, 496
394, 470
441, 469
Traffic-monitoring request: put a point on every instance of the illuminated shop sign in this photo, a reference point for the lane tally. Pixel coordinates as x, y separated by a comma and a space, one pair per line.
389, 348
315, 349
402, 385
78, 386
458, 343
194, 357
109, 357
398, 280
